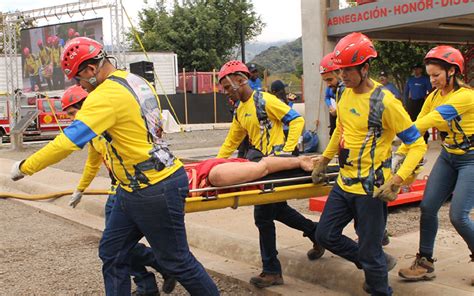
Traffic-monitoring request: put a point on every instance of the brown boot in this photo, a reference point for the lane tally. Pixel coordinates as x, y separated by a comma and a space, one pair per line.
264, 280
316, 252
421, 269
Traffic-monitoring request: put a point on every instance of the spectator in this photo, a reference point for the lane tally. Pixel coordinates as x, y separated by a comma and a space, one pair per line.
416, 89
254, 80
383, 77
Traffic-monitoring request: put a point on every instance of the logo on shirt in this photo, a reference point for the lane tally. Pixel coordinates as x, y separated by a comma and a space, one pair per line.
354, 111
247, 115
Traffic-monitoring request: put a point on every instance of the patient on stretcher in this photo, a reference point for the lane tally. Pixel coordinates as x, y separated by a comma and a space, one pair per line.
220, 172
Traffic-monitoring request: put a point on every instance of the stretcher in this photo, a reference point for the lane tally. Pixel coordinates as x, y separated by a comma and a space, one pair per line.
277, 187
414, 193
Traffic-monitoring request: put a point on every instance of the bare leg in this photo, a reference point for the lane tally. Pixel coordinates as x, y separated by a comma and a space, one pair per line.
241, 172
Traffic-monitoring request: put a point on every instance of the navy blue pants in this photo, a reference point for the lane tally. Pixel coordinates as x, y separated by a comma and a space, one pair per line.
370, 216
265, 215
156, 212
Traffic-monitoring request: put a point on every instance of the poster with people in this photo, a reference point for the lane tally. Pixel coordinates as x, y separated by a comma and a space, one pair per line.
41, 49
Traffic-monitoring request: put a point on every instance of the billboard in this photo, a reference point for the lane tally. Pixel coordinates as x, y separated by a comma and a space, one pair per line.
41, 49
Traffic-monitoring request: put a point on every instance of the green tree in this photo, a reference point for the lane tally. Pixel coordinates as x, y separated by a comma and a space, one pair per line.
398, 58
202, 33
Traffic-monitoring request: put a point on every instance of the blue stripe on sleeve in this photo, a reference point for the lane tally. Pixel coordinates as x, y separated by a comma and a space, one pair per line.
292, 114
409, 135
79, 133
448, 112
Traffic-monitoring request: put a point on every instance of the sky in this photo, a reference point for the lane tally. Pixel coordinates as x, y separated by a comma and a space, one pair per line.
282, 17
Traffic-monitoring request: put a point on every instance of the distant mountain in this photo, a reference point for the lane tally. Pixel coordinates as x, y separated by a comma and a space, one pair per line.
254, 48
281, 59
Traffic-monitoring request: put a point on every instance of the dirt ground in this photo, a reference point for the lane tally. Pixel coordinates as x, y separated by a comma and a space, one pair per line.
47, 255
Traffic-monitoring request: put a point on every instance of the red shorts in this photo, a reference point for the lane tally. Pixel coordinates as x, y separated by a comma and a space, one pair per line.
198, 175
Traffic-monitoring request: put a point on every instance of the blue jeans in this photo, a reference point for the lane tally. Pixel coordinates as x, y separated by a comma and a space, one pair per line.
156, 212
265, 215
451, 174
370, 216
140, 256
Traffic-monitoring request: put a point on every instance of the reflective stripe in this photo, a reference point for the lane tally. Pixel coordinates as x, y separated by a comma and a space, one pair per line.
292, 114
410, 135
79, 133
448, 112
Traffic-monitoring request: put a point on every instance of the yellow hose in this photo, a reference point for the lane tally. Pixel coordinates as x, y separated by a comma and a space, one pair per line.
50, 195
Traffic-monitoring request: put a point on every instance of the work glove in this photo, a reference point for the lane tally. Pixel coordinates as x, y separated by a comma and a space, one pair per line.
15, 173
75, 198
410, 179
319, 170
389, 190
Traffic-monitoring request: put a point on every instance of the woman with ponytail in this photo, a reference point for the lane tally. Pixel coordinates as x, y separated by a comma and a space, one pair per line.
449, 108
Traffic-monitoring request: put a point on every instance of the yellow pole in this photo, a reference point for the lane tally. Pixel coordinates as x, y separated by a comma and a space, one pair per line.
54, 112
214, 90
185, 98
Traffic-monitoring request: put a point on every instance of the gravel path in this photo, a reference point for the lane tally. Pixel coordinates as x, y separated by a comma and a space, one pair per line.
41, 254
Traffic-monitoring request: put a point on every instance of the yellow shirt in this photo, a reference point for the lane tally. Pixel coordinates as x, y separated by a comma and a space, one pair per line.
245, 122
440, 110
96, 155
56, 56
351, 137
45, 56
32, 65
110, 107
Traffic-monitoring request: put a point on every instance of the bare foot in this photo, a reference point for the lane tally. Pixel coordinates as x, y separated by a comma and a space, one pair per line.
306, 163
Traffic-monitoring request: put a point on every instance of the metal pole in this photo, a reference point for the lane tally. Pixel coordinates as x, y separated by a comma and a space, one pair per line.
242, 35
214, 90
185, 98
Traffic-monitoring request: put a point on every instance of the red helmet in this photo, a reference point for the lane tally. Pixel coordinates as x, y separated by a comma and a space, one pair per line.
352, 50
327, 64
73, 95
70, 32
49, 40
448, 54
26, 51
55, 40
76, 51
39, 42
232, 67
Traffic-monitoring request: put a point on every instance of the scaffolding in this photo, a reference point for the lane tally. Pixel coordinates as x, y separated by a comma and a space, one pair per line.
11, 25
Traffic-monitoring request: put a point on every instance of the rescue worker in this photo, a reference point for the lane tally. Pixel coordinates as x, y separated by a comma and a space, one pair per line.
450, 108
97, 153
369, 117
31, 69
153, 185
46, 65
58, 76
330, 74
261, 116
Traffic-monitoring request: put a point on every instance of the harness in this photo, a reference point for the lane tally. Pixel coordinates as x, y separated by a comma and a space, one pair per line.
375, 177
264, 123
467, 141
160, 155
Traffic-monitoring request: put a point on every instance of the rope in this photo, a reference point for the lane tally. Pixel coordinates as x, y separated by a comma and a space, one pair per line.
137, 37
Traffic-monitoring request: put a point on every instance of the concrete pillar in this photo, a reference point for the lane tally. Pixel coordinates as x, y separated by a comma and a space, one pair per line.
315, 46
